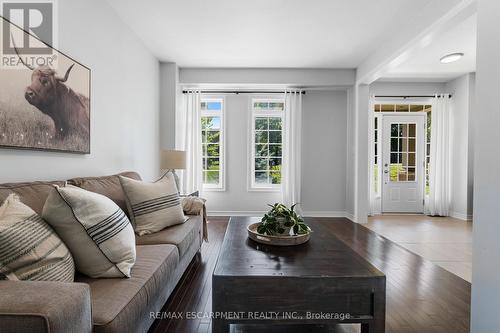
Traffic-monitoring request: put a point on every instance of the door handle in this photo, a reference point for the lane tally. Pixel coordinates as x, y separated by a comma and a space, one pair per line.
386, 171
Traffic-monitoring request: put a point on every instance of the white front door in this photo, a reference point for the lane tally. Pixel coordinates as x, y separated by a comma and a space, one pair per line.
403, 163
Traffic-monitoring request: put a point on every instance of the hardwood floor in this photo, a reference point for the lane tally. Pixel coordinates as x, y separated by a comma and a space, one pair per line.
421, 296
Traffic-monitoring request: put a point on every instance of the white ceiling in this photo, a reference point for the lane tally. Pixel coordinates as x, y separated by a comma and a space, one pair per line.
424, 64
265, 33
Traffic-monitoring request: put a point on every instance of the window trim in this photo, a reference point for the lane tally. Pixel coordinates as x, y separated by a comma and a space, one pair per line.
251, 185
222, 146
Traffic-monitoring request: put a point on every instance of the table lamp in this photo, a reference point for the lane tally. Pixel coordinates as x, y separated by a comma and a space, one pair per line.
171, 160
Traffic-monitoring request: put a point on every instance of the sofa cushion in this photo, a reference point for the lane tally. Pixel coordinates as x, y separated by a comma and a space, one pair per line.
95, 229
124, 305
108, 186
31, 194
29, 248
180, 235
153, 206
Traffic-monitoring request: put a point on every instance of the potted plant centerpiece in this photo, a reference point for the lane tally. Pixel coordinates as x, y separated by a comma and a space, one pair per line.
280, 226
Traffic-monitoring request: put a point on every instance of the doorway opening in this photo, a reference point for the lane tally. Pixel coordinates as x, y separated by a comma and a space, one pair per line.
401, 156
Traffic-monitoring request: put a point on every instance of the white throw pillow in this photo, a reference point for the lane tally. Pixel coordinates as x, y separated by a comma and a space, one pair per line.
29, 248
96, 230
153, 206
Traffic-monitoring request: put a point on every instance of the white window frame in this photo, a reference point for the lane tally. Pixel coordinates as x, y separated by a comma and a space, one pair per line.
222, 145
252, 186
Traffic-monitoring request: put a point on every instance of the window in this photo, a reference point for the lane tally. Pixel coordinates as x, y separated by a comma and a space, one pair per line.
266, 141
376, 184
428, 110
212, 139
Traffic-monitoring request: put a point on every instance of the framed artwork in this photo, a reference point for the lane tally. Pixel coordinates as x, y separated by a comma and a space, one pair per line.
44, 97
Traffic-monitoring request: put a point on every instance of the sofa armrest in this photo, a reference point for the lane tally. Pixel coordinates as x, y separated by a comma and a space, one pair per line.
51, 307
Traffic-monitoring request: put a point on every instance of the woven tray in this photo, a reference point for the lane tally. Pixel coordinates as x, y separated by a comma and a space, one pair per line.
276, 240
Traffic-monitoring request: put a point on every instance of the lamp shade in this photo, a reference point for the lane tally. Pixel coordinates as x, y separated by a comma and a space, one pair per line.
172, 159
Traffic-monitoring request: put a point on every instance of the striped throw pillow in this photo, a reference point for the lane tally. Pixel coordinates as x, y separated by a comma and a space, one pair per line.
96, 230
29, 247
153, 206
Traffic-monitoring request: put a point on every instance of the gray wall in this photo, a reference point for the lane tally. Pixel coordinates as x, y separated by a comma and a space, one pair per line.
125, 100
486, 244
462, 154
324, 152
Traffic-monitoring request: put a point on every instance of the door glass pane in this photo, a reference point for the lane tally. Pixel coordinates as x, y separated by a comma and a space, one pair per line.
403, 153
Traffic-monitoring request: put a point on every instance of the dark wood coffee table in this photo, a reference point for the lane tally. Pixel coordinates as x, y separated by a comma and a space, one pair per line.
320, 282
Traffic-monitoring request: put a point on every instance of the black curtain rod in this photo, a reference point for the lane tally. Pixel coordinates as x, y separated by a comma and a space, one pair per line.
237, 92
409, 96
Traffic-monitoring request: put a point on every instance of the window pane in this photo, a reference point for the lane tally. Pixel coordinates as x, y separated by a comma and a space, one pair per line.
411, 159
394, 144
412, 130
402, 108
211, 177
411, 145
213, 150
274, 162
261, 150
260, 105
274, 136
402, 175
404, 129
275, 123
387, 107
411, 174
275, 150
394, 130
278, 106
393, 172
261, 137
213, 136
276, 177
203, 136
261, 123
212, 163
214, 106
261, 164
416, 108
261, 177
210, 123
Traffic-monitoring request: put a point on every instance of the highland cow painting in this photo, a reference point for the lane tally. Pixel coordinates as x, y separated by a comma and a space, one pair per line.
44, 99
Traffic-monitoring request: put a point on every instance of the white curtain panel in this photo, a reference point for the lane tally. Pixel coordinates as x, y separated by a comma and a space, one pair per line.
189, 140
291, 164
438, 202
374, 203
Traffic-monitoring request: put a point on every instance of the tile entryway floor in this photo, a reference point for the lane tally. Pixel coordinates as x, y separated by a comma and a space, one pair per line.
445, 241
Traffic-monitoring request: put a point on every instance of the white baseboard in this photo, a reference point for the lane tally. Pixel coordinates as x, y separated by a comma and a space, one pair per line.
324, 213
235, 213
351, 217
260, 213
306, 214
460, 216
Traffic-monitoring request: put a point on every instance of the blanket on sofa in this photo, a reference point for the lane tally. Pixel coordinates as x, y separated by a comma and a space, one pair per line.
196, 206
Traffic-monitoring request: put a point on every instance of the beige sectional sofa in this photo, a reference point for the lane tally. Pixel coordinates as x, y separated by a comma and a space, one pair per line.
99, 305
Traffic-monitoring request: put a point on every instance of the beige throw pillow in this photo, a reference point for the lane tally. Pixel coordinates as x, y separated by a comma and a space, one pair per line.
29, 247
153, 206
96, 230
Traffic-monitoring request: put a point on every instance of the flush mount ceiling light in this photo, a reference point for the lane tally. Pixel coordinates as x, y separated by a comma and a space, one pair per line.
451, 57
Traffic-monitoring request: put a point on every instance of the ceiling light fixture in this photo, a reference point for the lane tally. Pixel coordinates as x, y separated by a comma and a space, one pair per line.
451, 58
